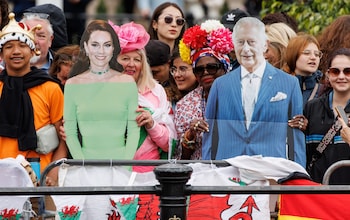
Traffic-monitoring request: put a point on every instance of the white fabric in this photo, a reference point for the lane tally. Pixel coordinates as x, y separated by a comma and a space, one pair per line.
245, 170
13, 174
253, 168
209, 175
161, 114
96, 207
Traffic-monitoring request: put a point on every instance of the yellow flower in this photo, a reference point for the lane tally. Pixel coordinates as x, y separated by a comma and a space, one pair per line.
185, 52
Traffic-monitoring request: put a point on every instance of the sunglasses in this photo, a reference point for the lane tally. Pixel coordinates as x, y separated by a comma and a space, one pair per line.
211, 68
179, 21
336, 71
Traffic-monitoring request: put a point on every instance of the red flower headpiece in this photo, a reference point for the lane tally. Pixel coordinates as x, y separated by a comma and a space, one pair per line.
210, 34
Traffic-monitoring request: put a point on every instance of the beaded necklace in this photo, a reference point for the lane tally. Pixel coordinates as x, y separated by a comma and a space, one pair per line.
99, 72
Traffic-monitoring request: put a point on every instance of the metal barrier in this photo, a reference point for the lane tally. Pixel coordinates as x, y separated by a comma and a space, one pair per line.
332, 168
172, 189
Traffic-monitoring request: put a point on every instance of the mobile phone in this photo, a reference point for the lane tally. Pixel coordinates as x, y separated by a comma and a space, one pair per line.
341, 113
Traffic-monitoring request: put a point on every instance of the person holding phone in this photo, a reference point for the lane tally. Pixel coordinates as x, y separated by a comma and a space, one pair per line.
324, 143
345, 131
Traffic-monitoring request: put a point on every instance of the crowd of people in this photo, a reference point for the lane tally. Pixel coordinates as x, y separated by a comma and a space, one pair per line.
210, 91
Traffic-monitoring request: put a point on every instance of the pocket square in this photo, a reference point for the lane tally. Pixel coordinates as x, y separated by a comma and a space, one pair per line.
278, 97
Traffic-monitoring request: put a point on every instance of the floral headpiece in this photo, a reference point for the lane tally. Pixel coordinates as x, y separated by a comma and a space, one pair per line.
18, 31
131, 36
212, 37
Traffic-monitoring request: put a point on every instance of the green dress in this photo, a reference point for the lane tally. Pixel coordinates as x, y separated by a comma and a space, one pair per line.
104, 113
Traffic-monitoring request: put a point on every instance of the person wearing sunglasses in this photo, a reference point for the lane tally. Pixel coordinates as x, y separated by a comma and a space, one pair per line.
209, 62
167, 24
323, 124
248, 108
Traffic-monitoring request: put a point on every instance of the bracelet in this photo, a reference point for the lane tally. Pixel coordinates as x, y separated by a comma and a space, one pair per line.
187, 134
187, 146
188, 143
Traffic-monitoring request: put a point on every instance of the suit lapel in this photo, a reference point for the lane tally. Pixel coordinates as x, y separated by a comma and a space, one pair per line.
266, 89
235, 79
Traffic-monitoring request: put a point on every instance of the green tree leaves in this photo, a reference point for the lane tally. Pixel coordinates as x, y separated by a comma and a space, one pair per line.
311, 15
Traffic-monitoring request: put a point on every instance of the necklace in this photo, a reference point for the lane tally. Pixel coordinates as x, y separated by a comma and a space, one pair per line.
99, 72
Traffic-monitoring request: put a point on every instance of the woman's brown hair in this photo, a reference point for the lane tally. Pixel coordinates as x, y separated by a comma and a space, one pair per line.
295, 46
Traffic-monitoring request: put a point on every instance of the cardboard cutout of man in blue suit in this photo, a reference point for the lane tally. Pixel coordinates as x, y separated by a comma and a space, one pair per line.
278, 98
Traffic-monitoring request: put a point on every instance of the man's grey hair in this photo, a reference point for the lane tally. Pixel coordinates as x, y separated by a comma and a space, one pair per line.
252, 22
37, 16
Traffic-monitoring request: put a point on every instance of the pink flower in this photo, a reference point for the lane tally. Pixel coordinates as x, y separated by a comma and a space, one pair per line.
220, 40
131, 36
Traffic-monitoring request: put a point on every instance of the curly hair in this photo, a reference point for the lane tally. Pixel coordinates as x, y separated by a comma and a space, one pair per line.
334, 36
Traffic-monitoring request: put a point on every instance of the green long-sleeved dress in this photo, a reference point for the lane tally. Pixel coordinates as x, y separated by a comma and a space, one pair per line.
105, 114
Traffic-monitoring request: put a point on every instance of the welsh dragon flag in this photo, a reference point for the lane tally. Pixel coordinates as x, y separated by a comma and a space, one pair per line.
13, 174
245, 171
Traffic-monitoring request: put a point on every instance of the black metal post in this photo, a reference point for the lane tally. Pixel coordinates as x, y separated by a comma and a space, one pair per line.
172, 179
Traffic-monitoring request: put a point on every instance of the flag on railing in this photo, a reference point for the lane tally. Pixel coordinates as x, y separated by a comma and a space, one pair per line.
312, 206
146, 207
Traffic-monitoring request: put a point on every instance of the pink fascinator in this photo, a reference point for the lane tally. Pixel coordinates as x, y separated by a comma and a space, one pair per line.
131, 36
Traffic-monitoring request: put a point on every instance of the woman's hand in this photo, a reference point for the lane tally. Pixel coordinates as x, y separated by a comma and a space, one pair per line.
199, 125
345, 131
298, 121
144, 118
49, 181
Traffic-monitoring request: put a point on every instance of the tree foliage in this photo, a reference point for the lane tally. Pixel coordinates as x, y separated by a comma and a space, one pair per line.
312, 15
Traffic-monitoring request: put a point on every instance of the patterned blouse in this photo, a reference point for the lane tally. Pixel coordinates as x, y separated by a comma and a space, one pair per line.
190, 107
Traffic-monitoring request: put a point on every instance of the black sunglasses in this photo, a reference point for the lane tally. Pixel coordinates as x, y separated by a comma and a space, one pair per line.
336, 71
169, 20
211, 68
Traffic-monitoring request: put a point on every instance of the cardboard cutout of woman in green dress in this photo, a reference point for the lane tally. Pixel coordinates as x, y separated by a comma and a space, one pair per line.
100, 101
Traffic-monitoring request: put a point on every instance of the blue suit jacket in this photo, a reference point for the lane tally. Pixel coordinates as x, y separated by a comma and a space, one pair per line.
228, 136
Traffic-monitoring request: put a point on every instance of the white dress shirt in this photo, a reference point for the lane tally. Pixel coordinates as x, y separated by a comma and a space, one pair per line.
250, 83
